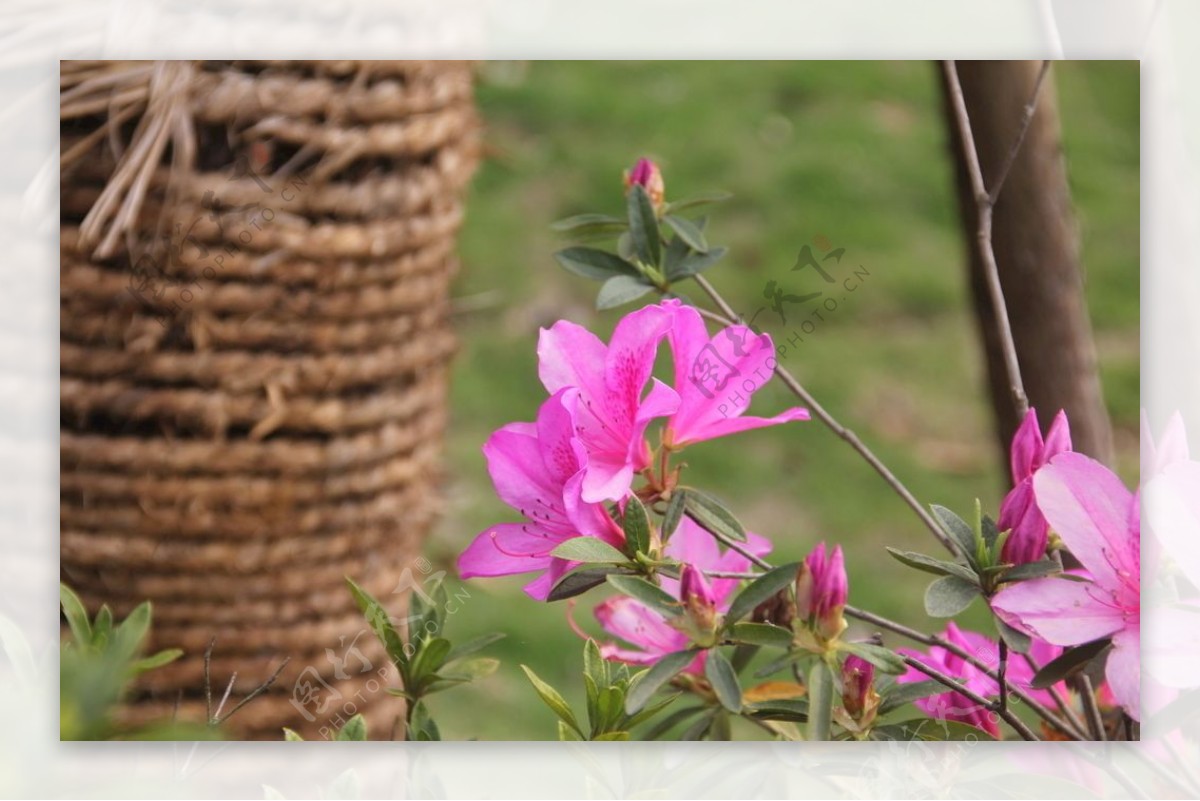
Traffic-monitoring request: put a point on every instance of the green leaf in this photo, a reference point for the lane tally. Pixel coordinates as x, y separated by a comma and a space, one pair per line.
599, 265
594, 665
588, 549
795, 711
686, 230
423, 727
820, 701
637, 526
696, 263
663, 671
779, 663
581, 580
473, 645
1031, 570
164, 657
1016, 640
430, 657
610, 708
721, 676
103, 625
1068, 662
956, 527
988, 531
566, 734
698, 200
938, 567
583, 224
77, 616
128, 635
611, 735
949, 595
907, 693
354, 730
698, 729
650, 594
470, 670
671, 721
712, 515
761, 634
649, 711
554, 700
643, 227
380, 623
621, 289
886, 660
761, 589
673, 514
291, 736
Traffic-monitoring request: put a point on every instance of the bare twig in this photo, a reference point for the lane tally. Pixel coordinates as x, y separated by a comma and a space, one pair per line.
257, 691
825, 417
983, 237
1077, 724
1026, 119
1002, 673
1087, 694
208, 714
1012, 720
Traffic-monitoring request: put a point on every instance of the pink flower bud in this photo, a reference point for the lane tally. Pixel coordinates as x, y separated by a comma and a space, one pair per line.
857, 677
645, 173
821, 590
1019, 513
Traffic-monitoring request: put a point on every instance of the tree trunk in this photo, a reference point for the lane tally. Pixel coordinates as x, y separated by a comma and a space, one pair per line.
1037, 252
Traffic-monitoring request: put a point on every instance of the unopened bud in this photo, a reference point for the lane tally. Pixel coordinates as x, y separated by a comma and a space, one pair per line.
645, 173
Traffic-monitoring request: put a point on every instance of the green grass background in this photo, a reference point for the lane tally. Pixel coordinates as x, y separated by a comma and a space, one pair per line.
854, 152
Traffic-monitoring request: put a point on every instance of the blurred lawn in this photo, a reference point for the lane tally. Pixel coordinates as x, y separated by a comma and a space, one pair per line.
850, 151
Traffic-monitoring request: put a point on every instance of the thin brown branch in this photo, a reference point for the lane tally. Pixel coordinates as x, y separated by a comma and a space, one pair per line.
1087, 694
837, 428
983, 236
1026, 119
1006, 715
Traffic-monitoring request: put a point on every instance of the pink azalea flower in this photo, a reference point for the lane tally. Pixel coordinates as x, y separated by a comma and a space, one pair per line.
1097, 519
538, 469
1019, 512
612, 414
716, 377
955, 706
652, 634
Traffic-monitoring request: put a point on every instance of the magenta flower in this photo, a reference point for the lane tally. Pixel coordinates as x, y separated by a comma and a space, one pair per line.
821, 590
955, 706
1018, 512
612, 414
858, 676
697, 597
1097, 519
653, 635
716, 378
538, 469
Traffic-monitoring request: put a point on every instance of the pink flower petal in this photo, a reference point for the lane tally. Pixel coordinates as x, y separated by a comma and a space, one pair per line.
1123, 671
505, 549
1026, 450
638, 624
569, 355
1060, 611
1089, 507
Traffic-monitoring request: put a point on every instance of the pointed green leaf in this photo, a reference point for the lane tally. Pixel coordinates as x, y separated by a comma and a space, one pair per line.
588, 549
721, 676
290, 736
595, 665
650, 594
761, 589
354, 730
663, 671
77, 616
673, 514
164, 657
1068, 662
637, 526
671, 721
380, 623
470, 669
1031, 570
430, 657
128, 635
649, 711
553, 699
698, 200
712, 515
820, 701
567, 734
761, 634
903, 694
1016, 640
581, 580
584, 224
939, 567
686, 230
960, 530
599, 265
949, 595
621, 289
696, 263
643, 227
